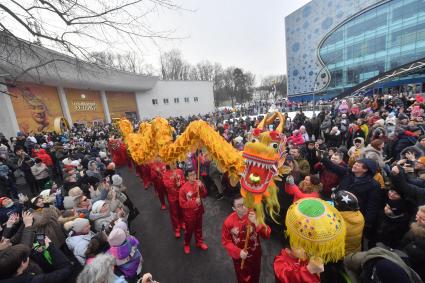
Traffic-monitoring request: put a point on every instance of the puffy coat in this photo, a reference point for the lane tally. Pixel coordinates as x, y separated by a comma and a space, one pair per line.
78, 245
102, 220
354, 221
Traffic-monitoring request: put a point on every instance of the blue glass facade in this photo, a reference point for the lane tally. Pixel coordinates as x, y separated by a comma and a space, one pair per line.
380, 39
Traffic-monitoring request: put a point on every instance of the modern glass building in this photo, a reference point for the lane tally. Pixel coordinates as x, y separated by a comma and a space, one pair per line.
359, 45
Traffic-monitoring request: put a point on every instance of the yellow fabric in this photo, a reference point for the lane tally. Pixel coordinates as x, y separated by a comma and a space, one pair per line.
354, 221
378, 178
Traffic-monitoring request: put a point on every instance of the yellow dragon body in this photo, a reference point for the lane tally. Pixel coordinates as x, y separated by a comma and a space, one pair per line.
255, 167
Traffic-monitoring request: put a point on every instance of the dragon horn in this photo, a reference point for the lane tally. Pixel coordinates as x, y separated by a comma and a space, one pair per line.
267, 120
282, 120
263, 122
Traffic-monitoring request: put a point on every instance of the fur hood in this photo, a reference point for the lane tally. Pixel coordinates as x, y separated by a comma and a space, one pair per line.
417, 230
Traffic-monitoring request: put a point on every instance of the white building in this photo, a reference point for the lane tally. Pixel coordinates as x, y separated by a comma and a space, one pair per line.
83, 92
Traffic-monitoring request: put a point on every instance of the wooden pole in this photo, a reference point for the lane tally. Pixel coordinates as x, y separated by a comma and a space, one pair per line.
245, 248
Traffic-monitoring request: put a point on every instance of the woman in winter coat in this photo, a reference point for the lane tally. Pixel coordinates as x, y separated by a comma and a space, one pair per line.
40, 172
310, 187
354, 153
374, 151
102, 216
79, 237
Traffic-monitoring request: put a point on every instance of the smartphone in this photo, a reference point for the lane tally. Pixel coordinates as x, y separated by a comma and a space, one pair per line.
40, 238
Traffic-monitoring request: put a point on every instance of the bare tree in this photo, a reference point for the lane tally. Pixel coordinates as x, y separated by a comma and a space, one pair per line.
74, 28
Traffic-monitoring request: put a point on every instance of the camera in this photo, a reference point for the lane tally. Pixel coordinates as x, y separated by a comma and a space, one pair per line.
40, 239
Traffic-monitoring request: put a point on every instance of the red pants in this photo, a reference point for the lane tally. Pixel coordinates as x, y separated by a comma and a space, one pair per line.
161, 191
145, 174
175, 214
193, 226
251, 270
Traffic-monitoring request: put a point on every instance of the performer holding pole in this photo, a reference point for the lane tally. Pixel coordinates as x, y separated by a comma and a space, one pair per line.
173, 180
240, 236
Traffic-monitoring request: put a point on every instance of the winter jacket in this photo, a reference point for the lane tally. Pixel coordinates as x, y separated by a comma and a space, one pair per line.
303, 167
356, 261
408, 191
418, 149
46, 222
128, 257
413, 244
43, 155
77, 244
366, 189
354, 221
102, 220
60, 270
296, 139
328, 179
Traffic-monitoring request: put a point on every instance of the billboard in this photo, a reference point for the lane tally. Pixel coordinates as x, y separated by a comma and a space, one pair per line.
121, 104
84, 105
36, 106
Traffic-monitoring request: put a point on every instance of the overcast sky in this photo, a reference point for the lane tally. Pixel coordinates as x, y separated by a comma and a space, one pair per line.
244, 33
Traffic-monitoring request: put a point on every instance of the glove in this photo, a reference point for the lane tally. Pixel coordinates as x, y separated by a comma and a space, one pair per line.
290, 180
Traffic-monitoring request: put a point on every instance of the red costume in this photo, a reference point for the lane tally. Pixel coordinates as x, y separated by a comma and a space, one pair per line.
233, 237
119, 153
157, 169
192, 211
173, 180
144, 172
288, 269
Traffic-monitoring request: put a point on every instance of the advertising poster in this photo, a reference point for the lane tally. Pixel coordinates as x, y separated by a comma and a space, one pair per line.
120, 103
84, 105
36, 107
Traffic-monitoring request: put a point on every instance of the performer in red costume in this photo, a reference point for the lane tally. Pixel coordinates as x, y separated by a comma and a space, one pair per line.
119, 153
234, 235
190, 201
173, 180
145, 175
157, 171
293, 266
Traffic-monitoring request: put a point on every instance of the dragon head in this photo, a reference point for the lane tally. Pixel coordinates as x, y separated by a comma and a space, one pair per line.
263, 156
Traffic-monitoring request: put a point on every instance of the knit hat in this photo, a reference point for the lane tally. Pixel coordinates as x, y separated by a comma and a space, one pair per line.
68, 202
78, 224
388, 271
75, 163
116, 180
97, 206
421, 137
117, 237
398, 206
371, 165
317, 227
402, 116
121, 224
34, 199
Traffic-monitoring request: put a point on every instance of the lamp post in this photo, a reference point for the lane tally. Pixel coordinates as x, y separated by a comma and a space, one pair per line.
317, 86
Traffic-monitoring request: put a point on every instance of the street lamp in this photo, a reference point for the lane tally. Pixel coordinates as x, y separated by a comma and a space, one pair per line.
323, 74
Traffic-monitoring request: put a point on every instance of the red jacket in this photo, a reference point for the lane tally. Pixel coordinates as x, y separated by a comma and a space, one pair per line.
43, 155
157, 169
298, 194
187, 198
173, 180
296, 139
288, 269
233, 235
328, 178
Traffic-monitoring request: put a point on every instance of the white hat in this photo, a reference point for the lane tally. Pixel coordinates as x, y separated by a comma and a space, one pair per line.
78, 224
75, 163
97, 206
116, 180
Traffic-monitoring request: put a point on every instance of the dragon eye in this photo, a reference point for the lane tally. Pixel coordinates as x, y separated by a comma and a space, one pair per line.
254, 140
274, 145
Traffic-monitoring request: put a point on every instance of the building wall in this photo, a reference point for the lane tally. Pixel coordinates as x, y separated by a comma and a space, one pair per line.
8, 123
172, 90
84, 105
120, 103
304, 30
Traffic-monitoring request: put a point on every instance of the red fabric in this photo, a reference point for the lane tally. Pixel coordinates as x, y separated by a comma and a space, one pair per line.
172, 181
298, 194
44, 156
157, 169
296, 139
118, 151
328, 178
192, 211
288, 269
233, 236
145, 174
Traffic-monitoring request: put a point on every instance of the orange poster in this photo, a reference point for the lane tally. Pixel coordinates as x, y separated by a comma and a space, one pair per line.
120, 103
84, 105
36, 106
